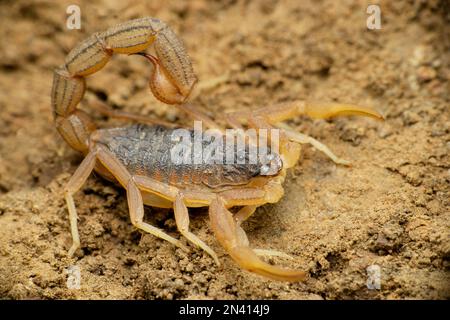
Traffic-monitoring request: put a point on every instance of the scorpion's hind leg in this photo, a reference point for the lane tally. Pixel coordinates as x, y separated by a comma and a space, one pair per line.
76, 181
134, 196
136, 206
172, 193
182, 220
233, 239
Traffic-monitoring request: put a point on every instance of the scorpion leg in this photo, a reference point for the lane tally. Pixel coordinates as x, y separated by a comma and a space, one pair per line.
305, 139
182, 220
180, 210
233, 239
244, 213
134, 196
76, 181
136, 206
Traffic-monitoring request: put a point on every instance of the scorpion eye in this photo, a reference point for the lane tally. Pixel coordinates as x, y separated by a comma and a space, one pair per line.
271, 165
264, 170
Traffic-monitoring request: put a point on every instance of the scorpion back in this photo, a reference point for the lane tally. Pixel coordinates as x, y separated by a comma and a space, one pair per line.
151, 151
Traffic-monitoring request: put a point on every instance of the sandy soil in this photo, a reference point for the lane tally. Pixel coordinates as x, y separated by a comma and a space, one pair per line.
391, 208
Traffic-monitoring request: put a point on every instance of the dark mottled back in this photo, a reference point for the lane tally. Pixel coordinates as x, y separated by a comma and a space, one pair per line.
153, 151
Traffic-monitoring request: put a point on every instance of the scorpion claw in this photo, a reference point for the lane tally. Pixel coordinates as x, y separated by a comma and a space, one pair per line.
327, 110
233, 239
272, 253
248, 260
172, 81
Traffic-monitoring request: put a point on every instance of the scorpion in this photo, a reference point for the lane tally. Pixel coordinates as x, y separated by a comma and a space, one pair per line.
137, 157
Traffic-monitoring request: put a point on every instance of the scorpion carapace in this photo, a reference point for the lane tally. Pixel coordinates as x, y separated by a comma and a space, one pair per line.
139, 157
168, 155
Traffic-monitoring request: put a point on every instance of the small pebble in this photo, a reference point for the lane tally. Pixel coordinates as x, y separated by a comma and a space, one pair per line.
425, 74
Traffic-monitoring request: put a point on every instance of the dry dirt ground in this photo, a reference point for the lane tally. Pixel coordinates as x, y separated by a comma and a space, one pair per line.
391, 208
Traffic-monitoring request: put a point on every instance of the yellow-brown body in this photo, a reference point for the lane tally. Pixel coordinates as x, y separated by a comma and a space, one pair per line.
136, 157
